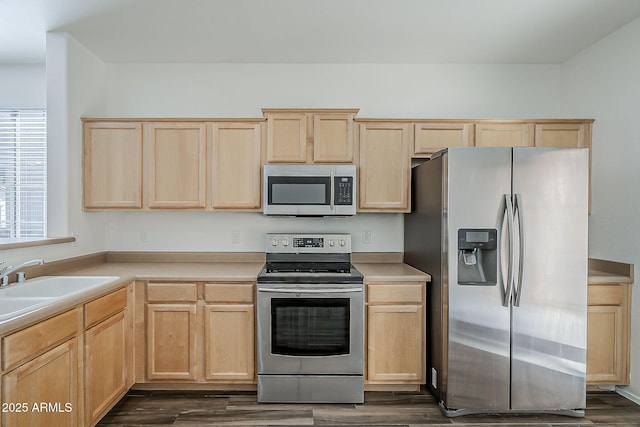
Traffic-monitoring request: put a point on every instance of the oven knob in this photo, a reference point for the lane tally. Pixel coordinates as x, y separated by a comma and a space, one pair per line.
274, 242
342, 242
285, 242
331, 243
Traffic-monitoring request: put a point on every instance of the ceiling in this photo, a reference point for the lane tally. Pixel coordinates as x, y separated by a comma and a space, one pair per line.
314, 31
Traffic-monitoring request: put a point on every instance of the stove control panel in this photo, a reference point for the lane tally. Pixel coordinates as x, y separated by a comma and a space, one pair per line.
308, 243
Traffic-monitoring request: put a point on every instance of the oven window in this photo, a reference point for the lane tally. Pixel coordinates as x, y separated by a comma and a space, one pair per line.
310, 326
299, 190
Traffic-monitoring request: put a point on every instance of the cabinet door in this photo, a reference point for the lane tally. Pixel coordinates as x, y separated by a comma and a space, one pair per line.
48, 385
105, 367
177, 162
504, 135
384, 167
112, 165
568, 135
235, 165
332, 138
287, 138
429, 138
395, 344
229, 342
604, 344
171, 342
608, 336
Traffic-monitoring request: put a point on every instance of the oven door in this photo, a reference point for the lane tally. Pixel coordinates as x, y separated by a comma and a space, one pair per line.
307, 330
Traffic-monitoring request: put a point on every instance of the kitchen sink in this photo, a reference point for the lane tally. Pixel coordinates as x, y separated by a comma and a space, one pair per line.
54, 286
10, 307
34, 293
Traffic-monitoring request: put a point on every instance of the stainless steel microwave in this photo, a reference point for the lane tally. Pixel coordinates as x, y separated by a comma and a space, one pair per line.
310, 190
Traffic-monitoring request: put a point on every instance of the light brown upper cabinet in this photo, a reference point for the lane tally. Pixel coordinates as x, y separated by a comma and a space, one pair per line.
506, 134
112, 165
384, 166
234, 159
177, 164
286, 137
429, 138
332, 138
310, 136
569, 135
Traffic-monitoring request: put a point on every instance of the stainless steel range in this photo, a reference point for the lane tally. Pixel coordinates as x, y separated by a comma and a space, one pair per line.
310, 321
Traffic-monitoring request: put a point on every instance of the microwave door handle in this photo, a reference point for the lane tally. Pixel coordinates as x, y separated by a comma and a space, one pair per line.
332, 191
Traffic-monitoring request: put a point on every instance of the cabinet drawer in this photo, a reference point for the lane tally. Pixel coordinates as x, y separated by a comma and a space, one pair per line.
103, 307
606, 294
172, 292
38, 338
218, 292
395, 293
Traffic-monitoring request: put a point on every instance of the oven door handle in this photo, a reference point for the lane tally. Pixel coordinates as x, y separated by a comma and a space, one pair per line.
310, 291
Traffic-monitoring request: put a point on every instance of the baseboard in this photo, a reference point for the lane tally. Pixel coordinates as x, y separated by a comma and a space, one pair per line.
626, 392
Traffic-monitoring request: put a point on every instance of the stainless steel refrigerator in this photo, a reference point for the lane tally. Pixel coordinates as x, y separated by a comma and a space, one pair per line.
503, 233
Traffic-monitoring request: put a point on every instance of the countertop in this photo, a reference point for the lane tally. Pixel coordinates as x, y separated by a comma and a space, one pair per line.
603, 271
390, 271
186, 271
182, 271
380, 270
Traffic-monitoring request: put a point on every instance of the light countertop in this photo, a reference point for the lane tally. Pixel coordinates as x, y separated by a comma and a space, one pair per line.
382, 270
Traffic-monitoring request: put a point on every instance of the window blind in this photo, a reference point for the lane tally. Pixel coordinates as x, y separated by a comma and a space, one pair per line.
23, 173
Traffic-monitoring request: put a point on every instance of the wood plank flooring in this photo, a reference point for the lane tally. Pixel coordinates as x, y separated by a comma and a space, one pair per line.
163, 408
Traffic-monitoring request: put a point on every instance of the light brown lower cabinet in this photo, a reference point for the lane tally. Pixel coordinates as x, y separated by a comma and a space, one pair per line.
200, 333
229, 342
171, 342
396, 333
44, 391
69, 369
106, 365
609, 319
108, 352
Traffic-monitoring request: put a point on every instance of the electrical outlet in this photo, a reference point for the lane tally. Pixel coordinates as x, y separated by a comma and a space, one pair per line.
235, 237
366, 237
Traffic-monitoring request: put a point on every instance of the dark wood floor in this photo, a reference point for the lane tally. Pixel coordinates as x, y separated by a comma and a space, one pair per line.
143, 408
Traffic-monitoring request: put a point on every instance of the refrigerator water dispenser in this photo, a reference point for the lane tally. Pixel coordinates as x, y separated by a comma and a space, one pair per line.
477, 256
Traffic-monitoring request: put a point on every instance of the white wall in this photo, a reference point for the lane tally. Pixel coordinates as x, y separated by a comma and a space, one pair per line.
240, 90
23, 86
71, 87
602, 82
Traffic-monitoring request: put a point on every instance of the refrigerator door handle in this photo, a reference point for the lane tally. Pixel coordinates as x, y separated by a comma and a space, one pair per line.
510, 266
521, 254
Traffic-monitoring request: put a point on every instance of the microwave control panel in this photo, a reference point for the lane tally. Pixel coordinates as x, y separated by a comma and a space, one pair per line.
343, 190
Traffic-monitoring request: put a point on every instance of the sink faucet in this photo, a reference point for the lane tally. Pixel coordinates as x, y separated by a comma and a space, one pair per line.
6, 271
